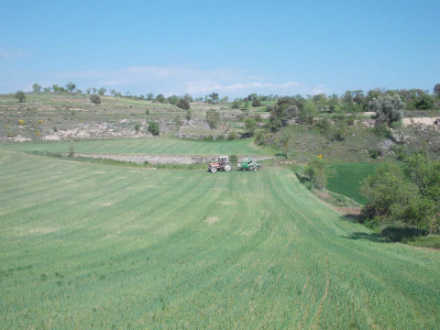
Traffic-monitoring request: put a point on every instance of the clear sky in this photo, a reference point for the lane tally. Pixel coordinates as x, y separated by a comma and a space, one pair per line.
230, 47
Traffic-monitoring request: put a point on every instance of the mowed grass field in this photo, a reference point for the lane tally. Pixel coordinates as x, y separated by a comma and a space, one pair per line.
158, 145
348, 179
92, 246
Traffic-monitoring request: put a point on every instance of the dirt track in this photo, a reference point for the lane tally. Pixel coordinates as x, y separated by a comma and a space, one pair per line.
163, 159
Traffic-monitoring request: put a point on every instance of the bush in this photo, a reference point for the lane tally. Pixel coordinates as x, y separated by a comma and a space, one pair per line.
318, 173
189, 114
260, 138
147, 112
388, 108
236, 104
20, 96
256, 103
233, 159
153, 128
213, 118
232, 136
251, 125
183, 104
374, 153
137, 127
95, 99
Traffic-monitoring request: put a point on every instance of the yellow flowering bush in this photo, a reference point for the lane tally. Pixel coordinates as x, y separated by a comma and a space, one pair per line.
40, 121
21, 122
320, 157
37, 133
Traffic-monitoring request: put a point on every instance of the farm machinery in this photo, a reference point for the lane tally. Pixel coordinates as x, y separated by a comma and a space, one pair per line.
223, 164
249, 165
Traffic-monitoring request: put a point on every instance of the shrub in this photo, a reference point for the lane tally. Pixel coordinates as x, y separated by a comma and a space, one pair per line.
147, 112
374, 153
71, 151
95, 99
153, 128
20, 96
260, 138
183, 104
213, 118
256, 103
388, 108
236, 104
137, 127
251, 125
258, 118
233, 159
318, 172
189, 114
232, 136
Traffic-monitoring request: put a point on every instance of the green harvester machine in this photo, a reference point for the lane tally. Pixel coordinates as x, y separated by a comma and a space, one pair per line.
249, 165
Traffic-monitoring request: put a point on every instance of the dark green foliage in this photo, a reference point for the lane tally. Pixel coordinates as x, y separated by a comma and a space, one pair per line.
95, 99
411, 194
256, 103
318, 173
308, 113
213, 118
189, 114
232, 136
36, 87
388, 108
153, 128
147, 112
70, 86
178, 122
437, 90
251, 125
102, 91
425, 102
260, 138
236, 104
161, 99
183, 104
173, 99
20, 96
233, 159
137, 127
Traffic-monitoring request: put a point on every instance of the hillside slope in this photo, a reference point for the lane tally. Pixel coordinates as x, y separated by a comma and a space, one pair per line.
91, 246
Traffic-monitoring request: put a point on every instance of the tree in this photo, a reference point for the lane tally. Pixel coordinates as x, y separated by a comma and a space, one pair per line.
308, 112
102, 91
425, 102
20, 96
161, 99
285, 140
214, 97
56, 88
36, 88
173, 99
94, 90
251, 125
153, 128
256, 103
70, 86
437, 90
95, 99
183, 104
150, 96
88, 90
178, 122
47, 89
388, 108
318, 172
236, 104
213, 118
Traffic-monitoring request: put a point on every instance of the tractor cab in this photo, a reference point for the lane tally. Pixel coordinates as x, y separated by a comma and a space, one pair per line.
223, 164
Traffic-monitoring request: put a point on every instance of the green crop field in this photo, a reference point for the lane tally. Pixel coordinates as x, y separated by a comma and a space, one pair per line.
146, 146
92, 246
348, 179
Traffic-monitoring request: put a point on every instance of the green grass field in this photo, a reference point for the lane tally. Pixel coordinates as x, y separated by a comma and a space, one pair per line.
146, 146
348, 179
93, 246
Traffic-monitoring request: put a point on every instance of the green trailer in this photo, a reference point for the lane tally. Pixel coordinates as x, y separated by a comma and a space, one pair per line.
249, 165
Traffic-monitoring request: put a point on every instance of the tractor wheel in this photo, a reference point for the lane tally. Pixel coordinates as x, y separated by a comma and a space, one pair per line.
227, 168
213, 169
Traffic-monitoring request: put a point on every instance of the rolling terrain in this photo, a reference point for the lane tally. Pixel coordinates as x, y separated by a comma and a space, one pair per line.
93, 246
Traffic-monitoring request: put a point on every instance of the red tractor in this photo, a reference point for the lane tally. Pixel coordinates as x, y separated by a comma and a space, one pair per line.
223, 164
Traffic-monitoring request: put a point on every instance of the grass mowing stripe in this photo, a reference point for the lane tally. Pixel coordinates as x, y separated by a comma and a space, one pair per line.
151, 259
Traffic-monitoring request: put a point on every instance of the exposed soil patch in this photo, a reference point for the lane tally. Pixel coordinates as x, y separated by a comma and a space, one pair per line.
163, 159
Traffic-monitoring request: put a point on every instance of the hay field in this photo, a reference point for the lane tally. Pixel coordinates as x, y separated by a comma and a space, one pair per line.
92, 246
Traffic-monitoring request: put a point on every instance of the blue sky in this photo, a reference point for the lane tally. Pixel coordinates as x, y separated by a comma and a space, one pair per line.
230, 47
